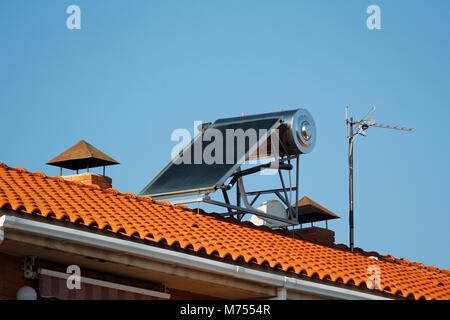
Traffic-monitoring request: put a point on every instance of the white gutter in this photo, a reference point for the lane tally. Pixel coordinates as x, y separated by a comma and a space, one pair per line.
174, 257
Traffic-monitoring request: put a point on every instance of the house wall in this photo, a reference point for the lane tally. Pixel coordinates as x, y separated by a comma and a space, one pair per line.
11, 277
181, 282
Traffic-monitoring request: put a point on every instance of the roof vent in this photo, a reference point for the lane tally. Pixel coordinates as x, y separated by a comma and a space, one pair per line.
310, 211
84, 156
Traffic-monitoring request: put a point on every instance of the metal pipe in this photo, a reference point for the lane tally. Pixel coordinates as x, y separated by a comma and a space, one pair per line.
350, 166
254, 199
248, 210
290, 185
297, 186
225, 197
346, 122
284, 187
281, 198
184, 201
251, 193
280, 166
238, 198
289, 205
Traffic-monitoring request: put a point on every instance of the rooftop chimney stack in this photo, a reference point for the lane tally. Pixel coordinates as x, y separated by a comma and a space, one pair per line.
310, 212
84, 156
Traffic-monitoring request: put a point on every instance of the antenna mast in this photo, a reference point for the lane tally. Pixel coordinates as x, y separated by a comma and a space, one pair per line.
361, 126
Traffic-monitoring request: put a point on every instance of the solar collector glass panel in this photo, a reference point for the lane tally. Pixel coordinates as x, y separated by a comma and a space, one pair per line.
200, 177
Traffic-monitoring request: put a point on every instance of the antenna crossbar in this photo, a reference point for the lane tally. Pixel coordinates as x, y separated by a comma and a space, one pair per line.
389, 127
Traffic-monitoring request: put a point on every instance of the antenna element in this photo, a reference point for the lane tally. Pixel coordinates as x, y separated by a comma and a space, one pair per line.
361, 126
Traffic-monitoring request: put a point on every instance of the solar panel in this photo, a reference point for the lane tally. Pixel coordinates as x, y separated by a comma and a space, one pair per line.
192, 173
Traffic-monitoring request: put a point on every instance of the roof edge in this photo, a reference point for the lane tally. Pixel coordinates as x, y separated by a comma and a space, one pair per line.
185, 259
129, 195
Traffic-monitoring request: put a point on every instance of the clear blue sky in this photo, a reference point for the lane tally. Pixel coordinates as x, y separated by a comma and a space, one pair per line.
137, 70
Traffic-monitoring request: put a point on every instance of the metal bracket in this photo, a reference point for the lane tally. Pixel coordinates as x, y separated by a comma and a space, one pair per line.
238, 210
28, 265
247, 210
190, 200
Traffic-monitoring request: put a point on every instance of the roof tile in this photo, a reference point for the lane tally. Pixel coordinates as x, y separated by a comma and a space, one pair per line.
209, 234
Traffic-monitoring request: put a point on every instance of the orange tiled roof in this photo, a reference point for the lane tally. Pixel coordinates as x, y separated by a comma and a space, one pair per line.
178, 226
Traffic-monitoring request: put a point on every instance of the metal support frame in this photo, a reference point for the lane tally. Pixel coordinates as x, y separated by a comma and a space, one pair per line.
227, 200
238, 202
297, 183
239, 211
286, 201
236, 179
278, 194
207, 199
259, 192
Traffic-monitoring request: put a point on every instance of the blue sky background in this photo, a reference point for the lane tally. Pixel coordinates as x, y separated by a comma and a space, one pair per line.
137, 70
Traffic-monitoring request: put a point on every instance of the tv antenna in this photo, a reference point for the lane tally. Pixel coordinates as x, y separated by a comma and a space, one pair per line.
351, 134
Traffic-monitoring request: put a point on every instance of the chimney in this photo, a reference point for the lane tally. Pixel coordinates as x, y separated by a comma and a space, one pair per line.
84, 156
310, 212
90, 179
316, 234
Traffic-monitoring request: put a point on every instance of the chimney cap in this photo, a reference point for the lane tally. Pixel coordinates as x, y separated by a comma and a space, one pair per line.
310, 211
82, 156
